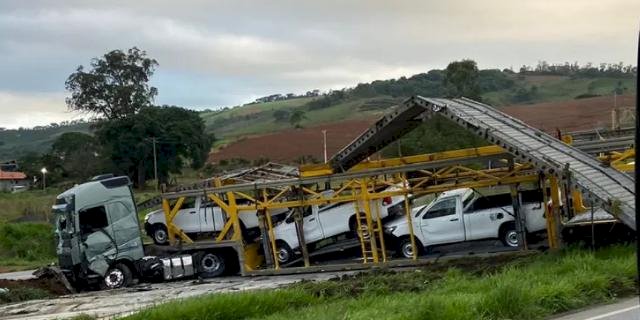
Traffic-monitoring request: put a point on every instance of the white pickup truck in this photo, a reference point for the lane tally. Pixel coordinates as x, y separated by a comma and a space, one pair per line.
465, 215
197, 216
327, 221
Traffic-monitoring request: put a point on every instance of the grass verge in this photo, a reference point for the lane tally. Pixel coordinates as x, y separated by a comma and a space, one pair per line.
530, 288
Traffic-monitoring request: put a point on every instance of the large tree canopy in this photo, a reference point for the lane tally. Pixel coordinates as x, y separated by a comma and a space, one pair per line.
79, 155
179, 134
115, 87
461, 79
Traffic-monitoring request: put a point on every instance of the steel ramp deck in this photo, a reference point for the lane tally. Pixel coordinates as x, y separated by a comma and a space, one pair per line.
613, 190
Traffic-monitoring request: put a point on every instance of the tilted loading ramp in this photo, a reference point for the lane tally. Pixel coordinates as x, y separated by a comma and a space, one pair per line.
607, 187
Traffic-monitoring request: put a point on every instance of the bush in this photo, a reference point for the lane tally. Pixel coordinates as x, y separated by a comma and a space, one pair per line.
29, 241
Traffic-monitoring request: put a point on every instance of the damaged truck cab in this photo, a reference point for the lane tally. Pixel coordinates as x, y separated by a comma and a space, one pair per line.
100, 244
99, 239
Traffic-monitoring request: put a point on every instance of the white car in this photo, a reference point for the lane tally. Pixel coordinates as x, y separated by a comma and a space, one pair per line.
465, 215
197, 216
327, 221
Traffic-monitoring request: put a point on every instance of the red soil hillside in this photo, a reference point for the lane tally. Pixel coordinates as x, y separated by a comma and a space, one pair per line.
288, 145
572, 115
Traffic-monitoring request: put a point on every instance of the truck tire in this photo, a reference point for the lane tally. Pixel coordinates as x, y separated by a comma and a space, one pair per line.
508, 235
159, 234
211, 264
285, 254
405, 249
118, 276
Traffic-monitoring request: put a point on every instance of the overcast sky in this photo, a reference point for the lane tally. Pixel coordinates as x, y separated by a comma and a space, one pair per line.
222, 53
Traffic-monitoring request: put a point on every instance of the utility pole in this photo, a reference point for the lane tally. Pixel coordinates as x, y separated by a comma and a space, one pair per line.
155, 162
324, 135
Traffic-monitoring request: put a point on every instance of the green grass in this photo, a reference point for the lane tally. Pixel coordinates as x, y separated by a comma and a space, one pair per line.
18, 294
531, 288
32, 205
556, 88
26, 242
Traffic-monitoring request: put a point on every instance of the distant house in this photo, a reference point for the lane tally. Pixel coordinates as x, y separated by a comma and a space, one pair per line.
10, 180
9, 166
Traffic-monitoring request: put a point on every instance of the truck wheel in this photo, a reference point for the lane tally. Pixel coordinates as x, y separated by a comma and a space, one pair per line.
211, 265
118, 276
285, 254
509, 236
160, 235
405, 249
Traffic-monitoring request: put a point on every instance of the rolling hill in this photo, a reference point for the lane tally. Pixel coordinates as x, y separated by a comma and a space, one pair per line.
355, 106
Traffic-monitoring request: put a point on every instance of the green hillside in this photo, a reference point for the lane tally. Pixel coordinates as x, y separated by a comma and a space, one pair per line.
366, 100
14, 143
501, 89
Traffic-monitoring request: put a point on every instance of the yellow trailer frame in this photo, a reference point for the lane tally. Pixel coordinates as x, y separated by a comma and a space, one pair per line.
415, 176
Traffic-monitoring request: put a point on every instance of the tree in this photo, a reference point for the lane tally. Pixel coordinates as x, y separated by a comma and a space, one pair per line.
78, 154
461, 79
115, 87
179, 134
281, 115
297, 117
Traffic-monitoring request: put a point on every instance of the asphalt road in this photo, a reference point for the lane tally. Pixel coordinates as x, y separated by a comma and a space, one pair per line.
628, 309
20, 275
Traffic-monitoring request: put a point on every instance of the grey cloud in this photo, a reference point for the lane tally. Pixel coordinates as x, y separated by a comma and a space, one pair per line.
234, 50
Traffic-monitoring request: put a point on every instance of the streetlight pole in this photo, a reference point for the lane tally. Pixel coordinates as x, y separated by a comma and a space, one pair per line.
155, 163
44, 178
324, 135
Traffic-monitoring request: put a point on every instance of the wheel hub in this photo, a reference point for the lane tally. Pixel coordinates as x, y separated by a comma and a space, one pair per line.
407, 250
283, 255
161, 235
114, 279
210, 263
512, 238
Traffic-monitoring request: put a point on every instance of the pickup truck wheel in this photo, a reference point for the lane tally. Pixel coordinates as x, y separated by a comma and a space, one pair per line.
405, 249
509, 236
160, 235
118, 276
285, 254
211, 265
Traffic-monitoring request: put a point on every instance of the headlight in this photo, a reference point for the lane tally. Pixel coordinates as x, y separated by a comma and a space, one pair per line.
146, 217
390, 229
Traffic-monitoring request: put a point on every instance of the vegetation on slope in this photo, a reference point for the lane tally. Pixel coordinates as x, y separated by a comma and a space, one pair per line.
17, 142
367, 100
533, 288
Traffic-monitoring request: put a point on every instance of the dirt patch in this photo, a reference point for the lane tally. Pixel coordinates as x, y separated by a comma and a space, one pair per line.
572, 115
288, 145
49, 285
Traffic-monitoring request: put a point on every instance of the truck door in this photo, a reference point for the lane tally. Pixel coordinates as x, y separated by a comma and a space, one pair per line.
210, 215
484, 216
187, 217
441, 223
311, 224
